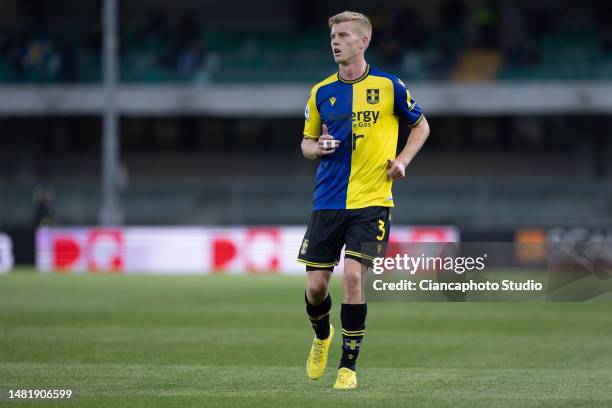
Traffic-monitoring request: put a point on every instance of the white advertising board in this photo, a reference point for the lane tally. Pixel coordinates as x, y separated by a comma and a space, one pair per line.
190, 250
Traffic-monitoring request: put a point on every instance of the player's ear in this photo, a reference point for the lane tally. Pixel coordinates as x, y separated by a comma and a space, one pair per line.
365, 41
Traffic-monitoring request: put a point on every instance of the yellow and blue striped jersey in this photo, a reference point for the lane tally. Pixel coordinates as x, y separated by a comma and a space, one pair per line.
364, 115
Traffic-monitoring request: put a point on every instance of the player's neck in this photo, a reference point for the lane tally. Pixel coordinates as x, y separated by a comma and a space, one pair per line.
353, 70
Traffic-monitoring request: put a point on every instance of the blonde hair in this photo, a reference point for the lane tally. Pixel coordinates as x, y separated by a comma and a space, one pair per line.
362, 22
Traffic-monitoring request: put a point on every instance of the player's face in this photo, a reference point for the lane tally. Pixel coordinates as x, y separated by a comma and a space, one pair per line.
346, 44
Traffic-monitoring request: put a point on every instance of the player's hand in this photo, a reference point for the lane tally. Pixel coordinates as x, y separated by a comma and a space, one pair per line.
395, 169
327, 144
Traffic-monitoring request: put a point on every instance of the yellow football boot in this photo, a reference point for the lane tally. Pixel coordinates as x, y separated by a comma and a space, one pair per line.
317, 358
347, 379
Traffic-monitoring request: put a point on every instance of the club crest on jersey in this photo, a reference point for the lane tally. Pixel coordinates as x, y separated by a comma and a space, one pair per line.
332, 100
373, 96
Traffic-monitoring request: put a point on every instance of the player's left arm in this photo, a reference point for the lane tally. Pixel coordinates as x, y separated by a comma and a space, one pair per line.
406, 108
396, 169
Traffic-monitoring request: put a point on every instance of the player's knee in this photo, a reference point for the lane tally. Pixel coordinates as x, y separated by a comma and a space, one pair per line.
352, 279
317, 289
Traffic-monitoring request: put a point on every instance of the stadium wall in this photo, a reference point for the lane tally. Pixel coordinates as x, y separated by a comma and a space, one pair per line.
287, 100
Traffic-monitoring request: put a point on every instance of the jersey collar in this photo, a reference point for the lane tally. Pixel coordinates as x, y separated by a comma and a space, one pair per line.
354, 81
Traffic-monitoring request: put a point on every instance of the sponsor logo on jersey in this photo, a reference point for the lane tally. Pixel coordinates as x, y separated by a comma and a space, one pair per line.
360, 118
366, 116
332, 100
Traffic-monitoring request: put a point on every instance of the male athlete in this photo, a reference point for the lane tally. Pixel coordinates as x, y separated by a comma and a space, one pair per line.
351, 125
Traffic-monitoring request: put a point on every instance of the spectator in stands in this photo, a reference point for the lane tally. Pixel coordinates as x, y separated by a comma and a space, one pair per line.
190, 50
42, 200
191, 59
37, 52
41, 58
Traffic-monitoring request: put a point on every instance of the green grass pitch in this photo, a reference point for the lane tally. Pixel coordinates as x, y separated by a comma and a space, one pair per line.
207, 341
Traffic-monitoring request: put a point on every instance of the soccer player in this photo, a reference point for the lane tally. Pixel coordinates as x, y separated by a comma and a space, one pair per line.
351, 127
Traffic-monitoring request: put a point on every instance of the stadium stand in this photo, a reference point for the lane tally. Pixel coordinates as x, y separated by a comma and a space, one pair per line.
512, 41
503, 168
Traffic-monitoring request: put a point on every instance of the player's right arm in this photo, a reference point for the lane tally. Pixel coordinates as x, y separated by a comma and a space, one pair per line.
324, 145
316, 142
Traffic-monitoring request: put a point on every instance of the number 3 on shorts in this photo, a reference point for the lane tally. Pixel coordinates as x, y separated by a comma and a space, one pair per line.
381, 227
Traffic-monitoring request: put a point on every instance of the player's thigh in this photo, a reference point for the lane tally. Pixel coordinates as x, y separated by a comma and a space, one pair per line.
367, 233
323, 239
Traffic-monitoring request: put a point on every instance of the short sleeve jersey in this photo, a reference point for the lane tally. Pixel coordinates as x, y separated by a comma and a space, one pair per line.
364, 115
